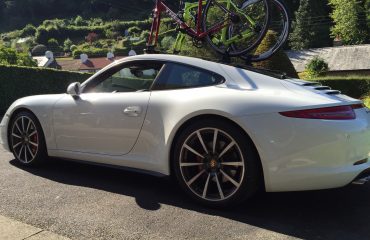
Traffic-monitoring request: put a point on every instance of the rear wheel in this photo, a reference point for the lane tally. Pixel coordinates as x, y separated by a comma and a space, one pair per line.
216, 164
248, 21
280, 26
26, 139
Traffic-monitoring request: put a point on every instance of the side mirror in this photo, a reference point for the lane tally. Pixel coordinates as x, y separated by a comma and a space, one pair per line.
74, 89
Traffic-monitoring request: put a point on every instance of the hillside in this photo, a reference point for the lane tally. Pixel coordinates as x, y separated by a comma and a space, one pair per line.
15, 14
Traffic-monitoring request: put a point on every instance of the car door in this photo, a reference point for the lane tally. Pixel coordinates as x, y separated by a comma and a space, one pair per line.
107, 117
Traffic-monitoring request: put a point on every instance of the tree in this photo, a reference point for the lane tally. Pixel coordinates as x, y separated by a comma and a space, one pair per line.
134, 30
79, 21
350, 21
91, 37
67, 45
39, 50
321, 23
367, 9
303, 33
53, 45
279, 61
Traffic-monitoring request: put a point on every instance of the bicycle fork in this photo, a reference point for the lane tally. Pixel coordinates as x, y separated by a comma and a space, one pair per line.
153, 36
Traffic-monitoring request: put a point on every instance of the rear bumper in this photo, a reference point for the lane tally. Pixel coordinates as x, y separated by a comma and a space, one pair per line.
363, 178
3, 133
304, 154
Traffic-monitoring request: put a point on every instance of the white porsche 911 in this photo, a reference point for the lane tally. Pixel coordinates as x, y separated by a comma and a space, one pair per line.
223, 132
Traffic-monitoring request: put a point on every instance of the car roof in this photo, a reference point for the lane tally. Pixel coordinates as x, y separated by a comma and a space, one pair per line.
174, 58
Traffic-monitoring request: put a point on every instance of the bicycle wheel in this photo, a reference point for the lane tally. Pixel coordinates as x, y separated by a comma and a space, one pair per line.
249, 21
280, 24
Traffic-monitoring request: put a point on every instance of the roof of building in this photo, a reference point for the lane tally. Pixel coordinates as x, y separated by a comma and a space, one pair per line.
41, 61
343, 58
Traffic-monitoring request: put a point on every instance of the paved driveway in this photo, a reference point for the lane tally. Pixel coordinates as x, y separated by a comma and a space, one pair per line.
88, 202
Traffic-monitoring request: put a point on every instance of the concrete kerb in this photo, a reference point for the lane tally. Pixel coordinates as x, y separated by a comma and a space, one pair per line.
14, 230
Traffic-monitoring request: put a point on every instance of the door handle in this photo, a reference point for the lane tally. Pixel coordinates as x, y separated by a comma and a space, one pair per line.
133, 111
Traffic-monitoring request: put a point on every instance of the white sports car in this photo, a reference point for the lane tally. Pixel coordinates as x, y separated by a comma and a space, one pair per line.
223, 132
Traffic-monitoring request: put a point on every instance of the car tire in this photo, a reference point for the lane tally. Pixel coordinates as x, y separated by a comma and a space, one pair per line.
216, 163
26, 139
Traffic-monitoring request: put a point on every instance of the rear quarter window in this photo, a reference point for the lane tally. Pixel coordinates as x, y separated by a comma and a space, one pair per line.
181, 76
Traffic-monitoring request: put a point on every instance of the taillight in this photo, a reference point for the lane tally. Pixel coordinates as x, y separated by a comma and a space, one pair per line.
328, 113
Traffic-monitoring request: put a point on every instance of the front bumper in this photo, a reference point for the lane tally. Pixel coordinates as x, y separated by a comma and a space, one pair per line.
3, 133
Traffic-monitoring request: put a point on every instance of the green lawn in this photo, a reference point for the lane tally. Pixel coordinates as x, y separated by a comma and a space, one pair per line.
367, 102
348, 78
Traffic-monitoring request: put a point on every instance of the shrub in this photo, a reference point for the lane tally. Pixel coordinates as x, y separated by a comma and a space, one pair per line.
42, 35
144, 35
28, 30
91, 52
167, 43
316, 67
53, 43
121, 51
23, 59
73, 48
355, 87
39, 50
9, 56
134, 30
17, 82
111, 34
279, 61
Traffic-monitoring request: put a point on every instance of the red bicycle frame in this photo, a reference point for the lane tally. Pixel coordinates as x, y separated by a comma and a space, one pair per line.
198, 33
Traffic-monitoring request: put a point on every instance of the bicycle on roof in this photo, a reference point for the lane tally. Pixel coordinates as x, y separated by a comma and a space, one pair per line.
231, 27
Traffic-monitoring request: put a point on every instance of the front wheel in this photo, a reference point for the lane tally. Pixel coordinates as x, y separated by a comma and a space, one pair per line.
248, 20
26, 139
216, 164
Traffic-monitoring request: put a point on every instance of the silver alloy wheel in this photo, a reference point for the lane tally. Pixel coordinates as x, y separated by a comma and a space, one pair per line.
25, 139
212, 164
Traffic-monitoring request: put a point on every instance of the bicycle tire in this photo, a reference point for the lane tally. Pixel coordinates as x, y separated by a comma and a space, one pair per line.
229, 50
283, 37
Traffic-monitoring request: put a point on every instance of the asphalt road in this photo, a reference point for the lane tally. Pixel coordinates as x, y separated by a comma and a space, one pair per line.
80, 201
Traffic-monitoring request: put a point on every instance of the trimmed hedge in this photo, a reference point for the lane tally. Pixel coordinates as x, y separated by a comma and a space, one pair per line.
17, 82
356, 87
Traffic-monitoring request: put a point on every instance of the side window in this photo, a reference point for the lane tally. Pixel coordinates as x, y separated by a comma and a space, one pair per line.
128, 78
178, 76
